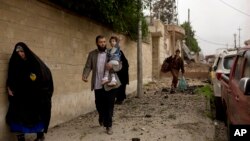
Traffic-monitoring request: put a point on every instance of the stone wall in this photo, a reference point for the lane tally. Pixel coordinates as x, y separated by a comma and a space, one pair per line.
193, 71
62, 40
158, 47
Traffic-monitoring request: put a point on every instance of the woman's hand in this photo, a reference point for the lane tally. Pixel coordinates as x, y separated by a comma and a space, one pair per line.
10, 92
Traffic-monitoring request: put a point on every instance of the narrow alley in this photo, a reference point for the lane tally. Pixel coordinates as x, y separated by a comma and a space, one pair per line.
156, 116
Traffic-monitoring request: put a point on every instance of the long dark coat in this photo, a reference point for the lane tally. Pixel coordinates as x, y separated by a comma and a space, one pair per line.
124, 78
123, 73
31, 82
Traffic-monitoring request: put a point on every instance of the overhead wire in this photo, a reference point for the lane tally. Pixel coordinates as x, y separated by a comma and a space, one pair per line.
223, 44
244, 13
212, 42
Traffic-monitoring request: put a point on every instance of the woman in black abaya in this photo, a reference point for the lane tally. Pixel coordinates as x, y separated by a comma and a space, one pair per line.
30, 88
124, 78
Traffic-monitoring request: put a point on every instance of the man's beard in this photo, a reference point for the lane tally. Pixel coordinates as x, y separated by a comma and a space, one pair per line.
101, 49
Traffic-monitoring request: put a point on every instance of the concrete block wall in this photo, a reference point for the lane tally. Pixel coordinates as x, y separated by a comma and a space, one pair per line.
162, 46
193, 71
159, 51
156, 57
62, 40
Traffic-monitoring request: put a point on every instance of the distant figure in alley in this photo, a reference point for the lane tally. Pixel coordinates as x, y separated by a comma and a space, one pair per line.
173, 64
176, 64
30, 88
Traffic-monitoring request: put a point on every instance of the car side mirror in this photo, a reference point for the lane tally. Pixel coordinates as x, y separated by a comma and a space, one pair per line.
214, 68
245, 85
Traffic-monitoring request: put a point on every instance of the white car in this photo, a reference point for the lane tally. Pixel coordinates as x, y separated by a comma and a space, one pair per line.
222, 65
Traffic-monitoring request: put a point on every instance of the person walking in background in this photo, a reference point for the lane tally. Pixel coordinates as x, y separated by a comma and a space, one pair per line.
104, 95
30, 88
176, 64
124, 78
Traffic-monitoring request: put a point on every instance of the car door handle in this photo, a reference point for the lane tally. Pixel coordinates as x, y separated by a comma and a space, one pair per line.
237, 98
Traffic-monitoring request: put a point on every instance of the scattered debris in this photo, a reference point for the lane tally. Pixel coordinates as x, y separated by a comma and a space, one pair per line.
148, 116
135, 139
171, 116
157, 115
165, 90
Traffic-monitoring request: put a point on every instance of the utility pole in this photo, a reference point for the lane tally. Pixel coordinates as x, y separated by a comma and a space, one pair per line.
173, 13
239, 35
139, 52
159, 15
177, 9
150, 12
188, 34
235, 40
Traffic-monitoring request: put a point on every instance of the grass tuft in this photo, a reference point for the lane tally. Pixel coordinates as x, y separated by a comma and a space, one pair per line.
207, 91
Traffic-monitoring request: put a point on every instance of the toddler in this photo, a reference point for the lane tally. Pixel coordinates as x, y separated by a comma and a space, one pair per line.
113, 59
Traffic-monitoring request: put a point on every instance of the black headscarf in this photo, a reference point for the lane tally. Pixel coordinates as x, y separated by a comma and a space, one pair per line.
31, 82
32, 58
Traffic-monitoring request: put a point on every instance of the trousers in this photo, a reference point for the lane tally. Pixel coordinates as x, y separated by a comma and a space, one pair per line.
104, 101
175, 74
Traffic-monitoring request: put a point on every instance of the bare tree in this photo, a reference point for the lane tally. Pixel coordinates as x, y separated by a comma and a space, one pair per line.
165, 10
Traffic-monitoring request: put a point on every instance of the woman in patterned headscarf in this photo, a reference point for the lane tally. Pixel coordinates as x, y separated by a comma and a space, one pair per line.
30, 88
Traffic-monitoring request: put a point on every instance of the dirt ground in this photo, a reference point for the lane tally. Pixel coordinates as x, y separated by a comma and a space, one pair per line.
156, 116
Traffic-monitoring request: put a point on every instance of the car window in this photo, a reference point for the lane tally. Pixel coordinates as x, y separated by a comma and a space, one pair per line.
238, 68
228, 62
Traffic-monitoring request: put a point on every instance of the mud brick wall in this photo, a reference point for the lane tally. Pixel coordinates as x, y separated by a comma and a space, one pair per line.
62, 40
